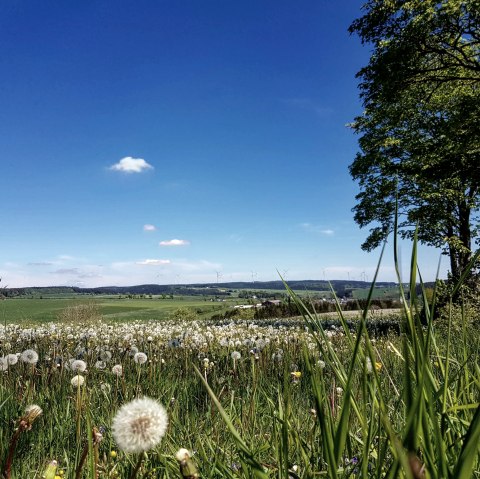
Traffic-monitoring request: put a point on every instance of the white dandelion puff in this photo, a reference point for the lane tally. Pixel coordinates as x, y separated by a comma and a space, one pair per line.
139, 425
140, 358
100, 365
77, 381
117, 370
11, 359
29, 356
78, 366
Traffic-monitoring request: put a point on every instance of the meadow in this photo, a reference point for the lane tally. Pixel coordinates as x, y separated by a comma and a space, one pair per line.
297, 398
34, 310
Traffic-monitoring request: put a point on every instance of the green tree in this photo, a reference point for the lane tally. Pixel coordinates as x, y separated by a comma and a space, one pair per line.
420, 130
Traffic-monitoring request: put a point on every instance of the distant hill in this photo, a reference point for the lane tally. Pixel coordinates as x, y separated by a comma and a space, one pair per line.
218, 289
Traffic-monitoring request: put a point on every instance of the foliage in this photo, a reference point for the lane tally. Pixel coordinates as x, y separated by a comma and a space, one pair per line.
419, 133
186, 314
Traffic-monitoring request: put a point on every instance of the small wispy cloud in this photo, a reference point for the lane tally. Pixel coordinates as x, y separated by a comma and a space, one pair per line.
153, 262
131, 165
66, 271
311, 228
174, 242
40, 263
309, 105
149, 228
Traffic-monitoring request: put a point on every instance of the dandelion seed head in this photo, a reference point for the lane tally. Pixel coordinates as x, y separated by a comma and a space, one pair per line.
31, 413
77, 381
78, 366
140, 358
139, 425
29, 356
11, 359
117, 370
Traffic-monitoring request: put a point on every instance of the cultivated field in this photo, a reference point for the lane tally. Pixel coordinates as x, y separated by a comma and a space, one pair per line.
273, 399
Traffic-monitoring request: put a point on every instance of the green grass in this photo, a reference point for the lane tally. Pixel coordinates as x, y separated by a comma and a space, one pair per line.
28, 310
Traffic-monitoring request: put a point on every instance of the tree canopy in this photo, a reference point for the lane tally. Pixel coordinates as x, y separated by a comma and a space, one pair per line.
420, 130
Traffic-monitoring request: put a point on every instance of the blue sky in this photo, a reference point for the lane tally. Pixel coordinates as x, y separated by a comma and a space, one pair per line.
218, 124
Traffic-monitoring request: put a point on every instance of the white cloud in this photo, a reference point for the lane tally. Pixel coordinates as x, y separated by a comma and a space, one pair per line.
131, 165
317, 229
153, 262
174, 242
149, 228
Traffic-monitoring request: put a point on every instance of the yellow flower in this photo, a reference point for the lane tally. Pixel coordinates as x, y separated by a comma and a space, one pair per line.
113, 454
378, 366
296, 374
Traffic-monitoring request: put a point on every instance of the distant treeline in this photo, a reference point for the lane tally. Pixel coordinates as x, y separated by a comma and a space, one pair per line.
342, 288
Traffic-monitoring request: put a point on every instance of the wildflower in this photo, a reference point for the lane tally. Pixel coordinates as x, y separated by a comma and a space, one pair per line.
321, 364
339, 391
139, 425
11, 359
105, 388
105, 356
236, 355
140, 358
117, 370
100, 365
77, 381
29, 356
78, 366
113, 454
31, 413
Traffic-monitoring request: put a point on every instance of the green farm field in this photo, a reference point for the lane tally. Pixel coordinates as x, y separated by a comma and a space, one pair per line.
26, 310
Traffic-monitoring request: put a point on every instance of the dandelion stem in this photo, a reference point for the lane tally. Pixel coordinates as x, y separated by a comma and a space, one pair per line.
7, 471
137, 466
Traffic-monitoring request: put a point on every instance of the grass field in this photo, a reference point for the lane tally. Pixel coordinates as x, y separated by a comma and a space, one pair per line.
244, 399
28, 310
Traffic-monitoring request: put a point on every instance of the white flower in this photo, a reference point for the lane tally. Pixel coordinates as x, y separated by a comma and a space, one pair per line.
236, 355
139, 425
140, 358
117, 370
100, 364
11, 359
78, 366
29, 356
105, 356
77, 381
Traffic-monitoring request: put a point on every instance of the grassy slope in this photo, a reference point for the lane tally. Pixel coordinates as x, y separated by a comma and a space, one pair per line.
44, 310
